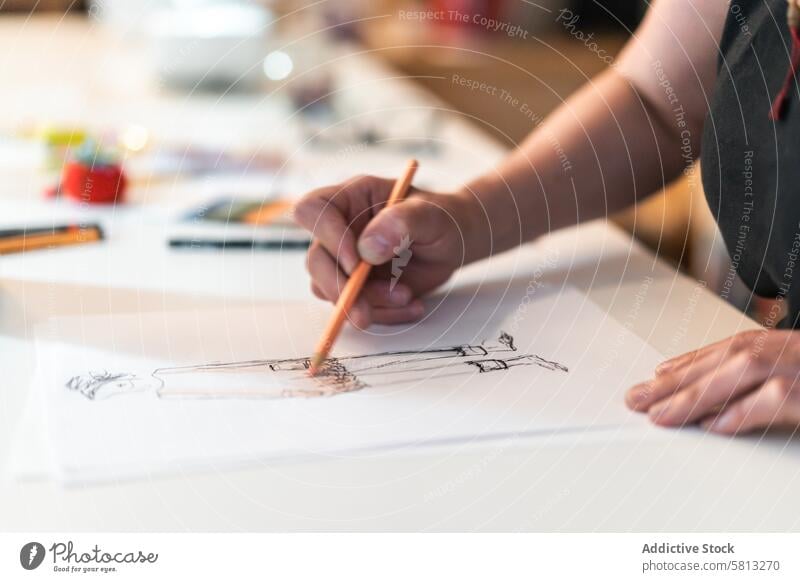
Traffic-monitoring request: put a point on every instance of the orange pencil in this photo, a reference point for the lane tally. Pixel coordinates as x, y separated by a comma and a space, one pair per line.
356, 281
56, 238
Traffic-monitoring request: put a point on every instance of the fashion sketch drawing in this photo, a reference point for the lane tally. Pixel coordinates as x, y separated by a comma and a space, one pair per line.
284, 378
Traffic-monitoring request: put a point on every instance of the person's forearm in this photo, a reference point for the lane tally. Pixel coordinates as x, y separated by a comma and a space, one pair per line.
598, 153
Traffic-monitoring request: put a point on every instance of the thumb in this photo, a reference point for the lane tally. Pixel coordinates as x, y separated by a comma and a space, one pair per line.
415, 220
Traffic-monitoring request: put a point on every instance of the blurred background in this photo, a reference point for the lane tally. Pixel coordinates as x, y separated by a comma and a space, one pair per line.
538, 52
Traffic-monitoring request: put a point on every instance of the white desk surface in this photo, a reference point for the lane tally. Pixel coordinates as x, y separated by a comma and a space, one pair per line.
680, 480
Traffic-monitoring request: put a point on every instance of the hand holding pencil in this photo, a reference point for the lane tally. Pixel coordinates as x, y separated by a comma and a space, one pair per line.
409, 248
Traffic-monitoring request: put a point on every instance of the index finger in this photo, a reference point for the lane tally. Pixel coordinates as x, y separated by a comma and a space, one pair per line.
319, 213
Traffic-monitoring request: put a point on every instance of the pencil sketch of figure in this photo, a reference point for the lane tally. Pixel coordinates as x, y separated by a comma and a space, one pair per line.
289, 377
98, 385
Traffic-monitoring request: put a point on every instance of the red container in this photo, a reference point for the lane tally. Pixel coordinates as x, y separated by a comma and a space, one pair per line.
94, 185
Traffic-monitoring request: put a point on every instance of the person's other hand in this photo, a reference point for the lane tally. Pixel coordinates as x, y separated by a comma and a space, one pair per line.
746, 382
415, 245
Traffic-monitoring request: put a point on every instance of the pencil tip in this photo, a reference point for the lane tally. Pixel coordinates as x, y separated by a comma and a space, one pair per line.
316, 362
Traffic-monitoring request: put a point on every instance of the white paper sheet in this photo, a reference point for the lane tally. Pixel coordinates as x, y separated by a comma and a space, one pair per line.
29, 456
185, 390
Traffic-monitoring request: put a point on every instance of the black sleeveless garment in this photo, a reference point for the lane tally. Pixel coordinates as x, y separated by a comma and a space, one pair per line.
750, 163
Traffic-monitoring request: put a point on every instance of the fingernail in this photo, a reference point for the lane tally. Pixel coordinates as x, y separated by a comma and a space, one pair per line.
723, 423
417, 308
658, 411
375, 249
639, 393
663, 367
634, 397
400, 295
348, 263
359, 318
